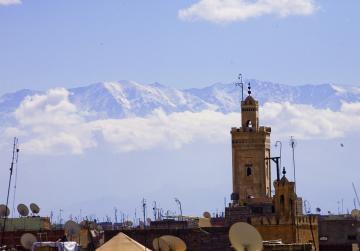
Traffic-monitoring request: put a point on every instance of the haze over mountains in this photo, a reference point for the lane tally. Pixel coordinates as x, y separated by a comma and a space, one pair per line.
125, 99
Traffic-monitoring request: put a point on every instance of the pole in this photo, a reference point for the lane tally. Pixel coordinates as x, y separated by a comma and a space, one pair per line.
293, 144
14, 153
180, 208
144, 211
242, 86
276, 143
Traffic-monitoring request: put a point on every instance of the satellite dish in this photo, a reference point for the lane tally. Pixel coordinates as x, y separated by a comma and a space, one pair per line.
355, 213
23, 210
35, 209
160, 245
169, 243
207, 215
245, 237
72, 229
27, 240
4, 211
148, 221
128, 223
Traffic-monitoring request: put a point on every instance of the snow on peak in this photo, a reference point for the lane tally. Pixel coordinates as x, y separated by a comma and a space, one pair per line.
120, 99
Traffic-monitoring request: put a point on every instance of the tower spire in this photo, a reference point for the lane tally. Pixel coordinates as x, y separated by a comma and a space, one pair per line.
249, 89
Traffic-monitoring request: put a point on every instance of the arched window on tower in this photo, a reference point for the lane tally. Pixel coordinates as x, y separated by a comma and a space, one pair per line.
249, 126
282, 203
248, 170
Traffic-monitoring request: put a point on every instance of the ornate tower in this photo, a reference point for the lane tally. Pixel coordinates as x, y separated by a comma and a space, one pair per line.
285, 197
250, 150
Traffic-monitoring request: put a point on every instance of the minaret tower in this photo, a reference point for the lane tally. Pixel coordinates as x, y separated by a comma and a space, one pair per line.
250, 152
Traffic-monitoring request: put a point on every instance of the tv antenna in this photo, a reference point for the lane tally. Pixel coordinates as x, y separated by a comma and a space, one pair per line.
276, 145
180, 208
16, 178
155, 210
293, 144
241, 84
15, 153
144, 211
115, 214
245, 237
356, 194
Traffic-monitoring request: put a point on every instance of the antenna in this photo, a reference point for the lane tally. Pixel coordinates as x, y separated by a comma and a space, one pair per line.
276, 144
60, 219
23, 210
242, 86
115, 214
245, 237
16, 174
144, 211
155, 211
293, 144
35, 209
27, 240
180, 208
356, 195
15, 152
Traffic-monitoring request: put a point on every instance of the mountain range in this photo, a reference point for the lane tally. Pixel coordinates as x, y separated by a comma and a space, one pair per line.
124, 99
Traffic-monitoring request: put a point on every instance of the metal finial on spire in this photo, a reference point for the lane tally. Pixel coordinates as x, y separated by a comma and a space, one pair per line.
284, 171
249, 88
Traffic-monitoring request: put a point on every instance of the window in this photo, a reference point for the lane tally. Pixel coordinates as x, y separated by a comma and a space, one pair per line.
249, 124
248, 170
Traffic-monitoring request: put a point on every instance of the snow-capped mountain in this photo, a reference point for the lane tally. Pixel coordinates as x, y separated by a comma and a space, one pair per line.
128, 98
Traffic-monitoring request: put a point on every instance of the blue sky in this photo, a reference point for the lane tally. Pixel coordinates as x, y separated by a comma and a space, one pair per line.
66, 43
46, 44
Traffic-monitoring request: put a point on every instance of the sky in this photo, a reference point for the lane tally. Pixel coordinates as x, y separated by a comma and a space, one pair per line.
182, 44
178, 43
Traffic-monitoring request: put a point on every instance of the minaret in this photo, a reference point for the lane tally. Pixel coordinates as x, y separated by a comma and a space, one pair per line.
250, 150
285, 198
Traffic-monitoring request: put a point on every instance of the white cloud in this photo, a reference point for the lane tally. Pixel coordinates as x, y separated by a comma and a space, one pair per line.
226, 11
10, 2
50, 124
